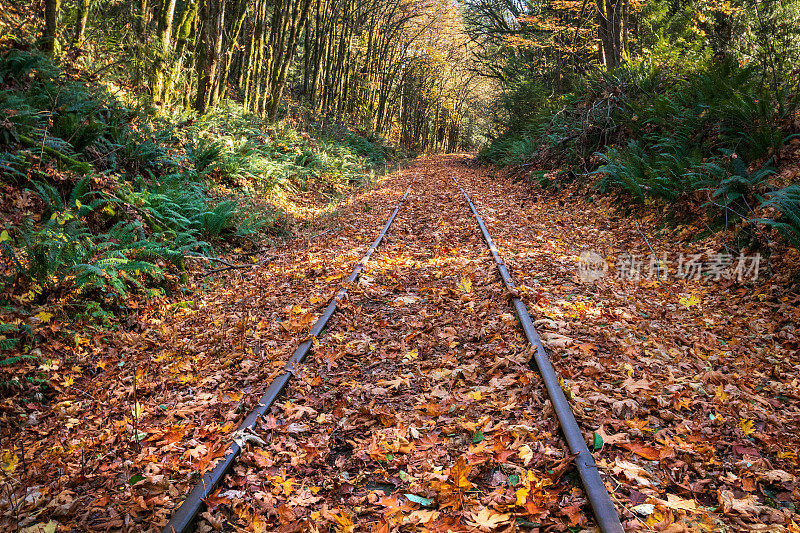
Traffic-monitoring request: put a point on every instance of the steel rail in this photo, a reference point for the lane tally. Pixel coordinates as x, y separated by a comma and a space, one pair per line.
604, 510
184, 517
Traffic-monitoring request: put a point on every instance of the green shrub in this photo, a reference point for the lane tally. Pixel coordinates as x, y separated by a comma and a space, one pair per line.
125, 195
707, 135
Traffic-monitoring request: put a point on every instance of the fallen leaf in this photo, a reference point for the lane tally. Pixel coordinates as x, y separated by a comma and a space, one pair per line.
48, 527
465, 285
44, 317
679, 504
690, 301
486, 520
427, 502
9, 461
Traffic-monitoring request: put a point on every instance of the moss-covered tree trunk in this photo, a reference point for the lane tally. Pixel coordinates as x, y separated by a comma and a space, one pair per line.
212, 18
49, 38
81, 19
163, 41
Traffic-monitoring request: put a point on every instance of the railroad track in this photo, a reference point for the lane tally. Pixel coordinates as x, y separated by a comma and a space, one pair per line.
420, 352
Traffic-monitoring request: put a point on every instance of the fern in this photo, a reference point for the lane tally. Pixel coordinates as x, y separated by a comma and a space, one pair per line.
17, 65
205, 154
12, 165
740, 184
626, 169
7, 343
215, 222
8, 361
786, 202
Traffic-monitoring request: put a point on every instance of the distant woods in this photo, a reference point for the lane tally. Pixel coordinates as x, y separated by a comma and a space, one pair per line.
397, 67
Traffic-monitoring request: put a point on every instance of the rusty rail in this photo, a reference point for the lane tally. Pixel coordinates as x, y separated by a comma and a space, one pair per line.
604, 510
184, 518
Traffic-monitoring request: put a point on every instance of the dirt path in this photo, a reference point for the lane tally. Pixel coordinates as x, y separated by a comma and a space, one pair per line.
418, 411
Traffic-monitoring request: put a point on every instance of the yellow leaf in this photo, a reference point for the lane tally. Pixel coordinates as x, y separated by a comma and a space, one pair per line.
49, 365
465, 285
137, 410
628, 369
679, 504
655, 518
525, 453
5, 236
286, 485
721, 395
486, 520
49, 527
68, 381
522, 496
412, 355
257, 524
43, 317
234, 396
746, 427
689, 302
9, 461
344, 522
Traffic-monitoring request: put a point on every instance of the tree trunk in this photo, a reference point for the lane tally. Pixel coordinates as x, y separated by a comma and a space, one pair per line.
231, 38
610, 22
82, 17
216, 54
206, 63
51, 9
183, 30
143, 19
166, 14
283, 54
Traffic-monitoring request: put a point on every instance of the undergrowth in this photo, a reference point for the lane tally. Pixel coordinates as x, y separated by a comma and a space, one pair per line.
104, 199
705, 142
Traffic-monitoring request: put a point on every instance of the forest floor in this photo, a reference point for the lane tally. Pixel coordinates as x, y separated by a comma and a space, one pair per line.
418, 410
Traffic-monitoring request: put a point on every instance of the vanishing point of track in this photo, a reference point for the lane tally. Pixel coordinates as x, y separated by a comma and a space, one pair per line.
605, 513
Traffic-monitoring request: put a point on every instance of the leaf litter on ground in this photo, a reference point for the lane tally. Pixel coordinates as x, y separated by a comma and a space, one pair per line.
418, 409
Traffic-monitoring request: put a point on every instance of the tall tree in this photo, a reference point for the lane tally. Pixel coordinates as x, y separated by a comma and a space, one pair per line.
212, 19
163, 43
81, 18
50, 37
611, 23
